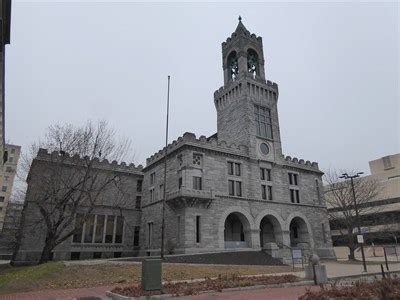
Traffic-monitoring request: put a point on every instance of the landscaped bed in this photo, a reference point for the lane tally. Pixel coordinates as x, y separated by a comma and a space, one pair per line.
56, 275
216, 284
385, 289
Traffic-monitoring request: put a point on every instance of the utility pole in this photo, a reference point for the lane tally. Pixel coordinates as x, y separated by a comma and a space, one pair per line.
347, 176
165, 178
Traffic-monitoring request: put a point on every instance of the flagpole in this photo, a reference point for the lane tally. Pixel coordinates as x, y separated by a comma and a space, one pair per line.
165, 177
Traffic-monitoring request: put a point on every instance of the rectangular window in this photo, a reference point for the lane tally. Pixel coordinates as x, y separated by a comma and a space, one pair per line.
297, 196
237, 169
231, 187
269, 192
1, 199
152, 178
197, 229
264, 192
139, 186
161, 193
197, 184
293, 179
77, 238
10, 159
265, 174
136, 236
235, 188
4, 189
263, 122
238, 188
292, 196
230, 168
119, 230
109, 229
138, 204
151, 195
180, 182
99, 229
9, 169
150, 234
89, 227
12, 150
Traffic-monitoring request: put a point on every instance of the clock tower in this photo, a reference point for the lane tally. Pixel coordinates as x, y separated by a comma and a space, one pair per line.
247, 103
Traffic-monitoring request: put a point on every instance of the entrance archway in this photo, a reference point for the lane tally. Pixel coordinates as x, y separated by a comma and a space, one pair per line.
299, 235
270, 231
236, 231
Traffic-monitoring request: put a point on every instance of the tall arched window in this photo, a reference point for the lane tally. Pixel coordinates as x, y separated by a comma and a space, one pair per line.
233, 65
252, 62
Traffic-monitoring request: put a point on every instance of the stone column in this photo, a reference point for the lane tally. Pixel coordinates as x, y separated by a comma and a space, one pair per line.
254, 235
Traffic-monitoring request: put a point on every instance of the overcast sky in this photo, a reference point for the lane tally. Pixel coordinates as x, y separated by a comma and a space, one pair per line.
337, 67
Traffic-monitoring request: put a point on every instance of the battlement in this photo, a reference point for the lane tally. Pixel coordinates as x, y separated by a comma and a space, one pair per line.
300, 162
245, 33
189, 138
224, 95
43, 154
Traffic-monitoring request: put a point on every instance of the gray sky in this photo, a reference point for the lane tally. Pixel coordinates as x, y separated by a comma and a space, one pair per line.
337, 67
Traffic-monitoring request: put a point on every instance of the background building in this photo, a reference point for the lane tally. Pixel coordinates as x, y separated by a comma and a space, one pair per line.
7, 175
381, 221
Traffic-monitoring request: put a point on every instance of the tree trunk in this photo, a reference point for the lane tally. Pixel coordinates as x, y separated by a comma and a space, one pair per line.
47, 250
350, 244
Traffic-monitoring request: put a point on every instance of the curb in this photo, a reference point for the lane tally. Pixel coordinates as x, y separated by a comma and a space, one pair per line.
115, 296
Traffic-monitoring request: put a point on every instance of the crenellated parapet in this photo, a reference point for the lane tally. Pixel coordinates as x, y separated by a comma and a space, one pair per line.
295, 162
189, 138
262, 92
66, 158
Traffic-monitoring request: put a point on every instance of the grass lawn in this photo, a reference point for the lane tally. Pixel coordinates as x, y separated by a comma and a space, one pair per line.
55, 275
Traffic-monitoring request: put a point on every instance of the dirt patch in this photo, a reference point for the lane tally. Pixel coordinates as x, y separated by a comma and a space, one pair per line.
193, 288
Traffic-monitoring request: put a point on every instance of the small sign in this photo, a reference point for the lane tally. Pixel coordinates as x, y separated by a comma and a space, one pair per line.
364, 230
360, 239
296, 253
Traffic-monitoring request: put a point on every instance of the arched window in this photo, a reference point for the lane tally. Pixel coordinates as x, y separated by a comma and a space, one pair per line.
252, 62
233, 65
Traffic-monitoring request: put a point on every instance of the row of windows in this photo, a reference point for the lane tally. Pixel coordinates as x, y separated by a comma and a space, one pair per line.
235, 186
101, 229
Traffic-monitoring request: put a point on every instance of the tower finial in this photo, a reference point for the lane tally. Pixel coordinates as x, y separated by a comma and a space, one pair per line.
240, 19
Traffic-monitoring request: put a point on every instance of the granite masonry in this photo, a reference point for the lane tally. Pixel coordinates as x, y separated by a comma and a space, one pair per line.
233, 190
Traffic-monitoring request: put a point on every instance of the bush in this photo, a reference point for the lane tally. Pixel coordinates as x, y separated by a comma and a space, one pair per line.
385, 289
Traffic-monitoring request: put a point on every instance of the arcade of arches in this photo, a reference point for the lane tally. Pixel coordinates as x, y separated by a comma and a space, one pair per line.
238, 232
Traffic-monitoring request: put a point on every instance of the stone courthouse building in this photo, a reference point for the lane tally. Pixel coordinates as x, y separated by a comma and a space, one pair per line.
233, 190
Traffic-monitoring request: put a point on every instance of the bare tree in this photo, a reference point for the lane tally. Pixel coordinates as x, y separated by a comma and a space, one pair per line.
341, 208
71, 180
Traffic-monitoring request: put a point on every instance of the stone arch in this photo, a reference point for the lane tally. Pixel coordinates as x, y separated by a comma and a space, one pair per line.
232, 63
305, 229
253, 62
245, 218
271, 226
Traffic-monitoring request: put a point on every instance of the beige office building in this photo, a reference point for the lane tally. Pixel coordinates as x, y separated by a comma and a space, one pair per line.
382, 222
7, 175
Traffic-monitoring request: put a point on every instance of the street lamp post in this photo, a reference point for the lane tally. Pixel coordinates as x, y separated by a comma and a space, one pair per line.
351, 177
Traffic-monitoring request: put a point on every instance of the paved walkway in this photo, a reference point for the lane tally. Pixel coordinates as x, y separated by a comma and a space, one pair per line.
263, 294
69, 294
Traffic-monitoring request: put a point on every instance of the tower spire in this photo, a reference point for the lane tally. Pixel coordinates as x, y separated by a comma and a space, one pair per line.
240, 26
